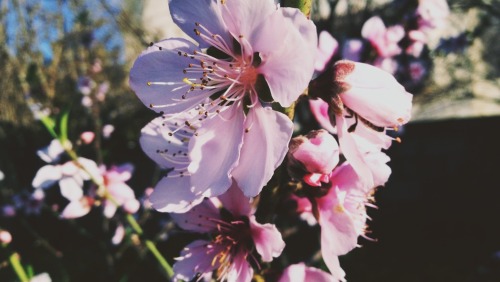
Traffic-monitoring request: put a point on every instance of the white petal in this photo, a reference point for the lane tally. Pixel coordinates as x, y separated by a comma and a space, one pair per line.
71, 188
47, 176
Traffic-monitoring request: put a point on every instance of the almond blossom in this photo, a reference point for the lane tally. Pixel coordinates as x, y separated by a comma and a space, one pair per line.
122, 195
248, 54
235, 234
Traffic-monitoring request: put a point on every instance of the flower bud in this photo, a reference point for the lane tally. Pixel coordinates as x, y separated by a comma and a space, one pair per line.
313, 157
5, 237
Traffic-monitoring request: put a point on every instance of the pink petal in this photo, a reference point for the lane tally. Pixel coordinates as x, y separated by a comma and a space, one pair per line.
319, 109
267, 239
264, 148
319, 152
201, 218
186, 13
243, 17
163, 70
214, 156
121, 192
160, 146
332, 262
300, 273
376, 95
109, 209
327, 47
235, 201
287, 69
174, 195
194, 259
350, 147
373, 29
240, 269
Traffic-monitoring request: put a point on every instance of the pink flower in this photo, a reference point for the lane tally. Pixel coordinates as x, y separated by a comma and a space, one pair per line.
384, 40
341, 215
301, 273
319, 109
312, 158
432, 13
114, 180
327, 47
254, 52
235, 235
364, 102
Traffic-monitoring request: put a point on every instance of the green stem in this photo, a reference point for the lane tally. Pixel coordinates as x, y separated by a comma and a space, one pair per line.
18, 268
151, 246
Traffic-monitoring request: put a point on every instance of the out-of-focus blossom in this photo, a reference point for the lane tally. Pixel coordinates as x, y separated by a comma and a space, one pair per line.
107, 130
8, 211
87, 137
2, 175
388, 64
417, 71
96, 66
432, 13
5, 237
327, 47
364, 103
87, 101
300, 273
52, 152
77, 208
119, 235
146, 202
70, 177
384, 40
114, 180
42, 277
312, 158
227, 84
352, 49
235, 235
101, 92
85, 85
39, 112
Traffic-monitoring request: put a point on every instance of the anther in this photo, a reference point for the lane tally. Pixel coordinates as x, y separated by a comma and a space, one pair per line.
197, 31
151, 44
149, 83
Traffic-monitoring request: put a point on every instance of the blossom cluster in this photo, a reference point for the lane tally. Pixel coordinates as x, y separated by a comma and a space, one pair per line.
223, 130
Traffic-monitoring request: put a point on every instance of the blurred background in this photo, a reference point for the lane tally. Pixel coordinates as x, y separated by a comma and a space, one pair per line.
437, 218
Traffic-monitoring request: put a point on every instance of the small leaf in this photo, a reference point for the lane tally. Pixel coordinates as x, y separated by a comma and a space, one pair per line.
50, 125
63, 126
302, 5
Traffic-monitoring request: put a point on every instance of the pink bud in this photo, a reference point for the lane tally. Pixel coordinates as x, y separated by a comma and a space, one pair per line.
372, 93
87, 137
5, 237
315, 153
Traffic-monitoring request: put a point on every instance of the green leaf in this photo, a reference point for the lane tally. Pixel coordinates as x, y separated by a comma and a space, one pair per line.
303, 5
63, 126
50, 124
